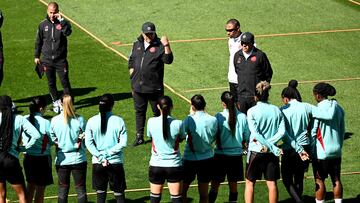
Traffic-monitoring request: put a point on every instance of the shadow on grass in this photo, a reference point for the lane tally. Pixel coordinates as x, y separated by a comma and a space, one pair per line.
75, 91
348, 135
328, 196
139, 200
92, 101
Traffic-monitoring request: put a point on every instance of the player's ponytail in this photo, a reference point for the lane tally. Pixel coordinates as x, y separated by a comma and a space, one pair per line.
165, 105
324, 90
7, 123
262, 91
105, 105
67, 102
35, 106
229, 101
291, 91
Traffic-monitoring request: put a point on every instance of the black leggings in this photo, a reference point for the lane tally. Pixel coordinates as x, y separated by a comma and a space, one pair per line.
79, 174
292, 172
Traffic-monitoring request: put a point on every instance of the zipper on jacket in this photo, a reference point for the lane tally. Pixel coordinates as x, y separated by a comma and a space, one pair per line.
52, 41
141, 65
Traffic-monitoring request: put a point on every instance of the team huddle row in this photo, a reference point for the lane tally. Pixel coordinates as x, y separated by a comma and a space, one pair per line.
215, 142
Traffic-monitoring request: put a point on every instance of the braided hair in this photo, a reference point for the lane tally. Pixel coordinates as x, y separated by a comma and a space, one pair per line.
105, 105
7, 123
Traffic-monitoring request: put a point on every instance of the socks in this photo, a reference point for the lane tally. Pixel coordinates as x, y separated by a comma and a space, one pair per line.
176, 198
120, 197
233, 197
155, 198
100, 196
338, 200
212, 196
319, 201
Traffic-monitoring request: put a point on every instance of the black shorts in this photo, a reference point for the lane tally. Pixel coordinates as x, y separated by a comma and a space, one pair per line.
202, 169
323, 168
230, 166
291, 163
10, 169
262, 163
38, 170
158, 175
113, 174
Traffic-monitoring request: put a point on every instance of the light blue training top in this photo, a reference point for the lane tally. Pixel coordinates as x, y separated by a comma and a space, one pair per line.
42, 145
200, 132
67, 136
267, 127
21, 124
164, 153
109, 146
228, 143
328, 135
297, 122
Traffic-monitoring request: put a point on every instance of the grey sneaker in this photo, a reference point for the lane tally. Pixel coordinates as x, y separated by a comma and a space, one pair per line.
57, 108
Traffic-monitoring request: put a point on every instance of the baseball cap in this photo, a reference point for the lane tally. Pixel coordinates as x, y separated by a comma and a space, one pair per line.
148, 27
247, 37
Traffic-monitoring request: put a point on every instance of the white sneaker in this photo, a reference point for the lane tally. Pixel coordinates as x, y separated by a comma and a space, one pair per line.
57, 108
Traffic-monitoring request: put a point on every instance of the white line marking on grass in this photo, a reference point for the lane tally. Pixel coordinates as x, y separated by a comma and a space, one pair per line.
112, 49
355, 2
257, 36
276, 84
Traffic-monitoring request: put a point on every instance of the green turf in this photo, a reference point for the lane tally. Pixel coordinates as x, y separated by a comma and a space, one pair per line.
95, 70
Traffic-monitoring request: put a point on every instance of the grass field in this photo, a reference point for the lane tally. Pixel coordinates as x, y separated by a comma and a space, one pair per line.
321, 43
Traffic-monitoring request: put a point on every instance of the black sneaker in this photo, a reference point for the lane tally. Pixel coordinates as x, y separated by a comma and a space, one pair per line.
138, 141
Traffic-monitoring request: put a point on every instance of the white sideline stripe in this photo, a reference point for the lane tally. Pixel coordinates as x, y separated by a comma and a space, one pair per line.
277, 84
112, 49
355, 2
259, 36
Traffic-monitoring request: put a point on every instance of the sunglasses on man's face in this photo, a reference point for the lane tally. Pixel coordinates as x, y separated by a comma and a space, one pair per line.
230, 30
245, 44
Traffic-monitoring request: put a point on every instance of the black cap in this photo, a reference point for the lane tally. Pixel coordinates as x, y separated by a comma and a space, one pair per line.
148, 27
247, 37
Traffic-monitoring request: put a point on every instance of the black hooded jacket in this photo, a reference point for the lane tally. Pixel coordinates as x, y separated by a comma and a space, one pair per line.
148, 65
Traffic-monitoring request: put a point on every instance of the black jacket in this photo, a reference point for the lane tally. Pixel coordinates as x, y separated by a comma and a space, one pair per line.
148, 65
251, 71
51, 42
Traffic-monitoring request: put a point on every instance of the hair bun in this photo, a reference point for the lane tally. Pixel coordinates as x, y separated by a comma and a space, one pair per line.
293, 83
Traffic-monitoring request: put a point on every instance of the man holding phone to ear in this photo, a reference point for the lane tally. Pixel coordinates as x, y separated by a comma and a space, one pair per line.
51, 44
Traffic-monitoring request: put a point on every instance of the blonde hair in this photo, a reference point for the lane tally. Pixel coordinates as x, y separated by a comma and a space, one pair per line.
68, 107
262, 90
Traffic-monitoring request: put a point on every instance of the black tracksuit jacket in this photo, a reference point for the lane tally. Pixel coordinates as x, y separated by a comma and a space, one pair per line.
51, 42
251, 71
148, 65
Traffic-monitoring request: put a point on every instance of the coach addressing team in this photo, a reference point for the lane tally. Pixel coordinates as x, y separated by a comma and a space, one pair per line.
146, 68
251, 66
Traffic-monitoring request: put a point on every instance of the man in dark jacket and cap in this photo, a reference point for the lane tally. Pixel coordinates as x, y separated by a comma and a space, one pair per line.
146, 68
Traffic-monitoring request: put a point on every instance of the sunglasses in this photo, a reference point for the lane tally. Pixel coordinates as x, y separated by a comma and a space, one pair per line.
245, 44
231, 30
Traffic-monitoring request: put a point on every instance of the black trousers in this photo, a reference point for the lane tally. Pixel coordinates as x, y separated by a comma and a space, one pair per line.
1, 66
140, 104
246, 103
62, 69
233, 89
78, 172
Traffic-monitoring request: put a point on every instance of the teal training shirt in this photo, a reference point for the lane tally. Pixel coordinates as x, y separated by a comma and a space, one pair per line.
226, 142
199, 130
328, 135
297, 120
42, 145
70, 148
267, 127
164, 153
21, 124
109, 146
